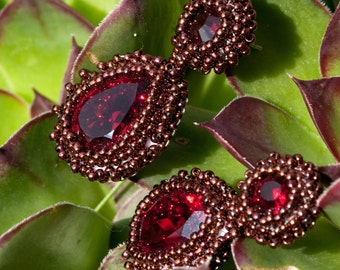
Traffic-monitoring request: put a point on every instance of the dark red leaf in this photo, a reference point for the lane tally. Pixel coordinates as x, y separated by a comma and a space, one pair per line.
322, 97
330, 47
40, 104
250, 128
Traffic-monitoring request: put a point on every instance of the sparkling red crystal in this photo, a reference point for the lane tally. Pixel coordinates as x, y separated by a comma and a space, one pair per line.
171, 220
109, 109
206, 27
271, 193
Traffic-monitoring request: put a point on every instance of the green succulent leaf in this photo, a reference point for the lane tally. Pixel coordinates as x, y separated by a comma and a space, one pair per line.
94, 11
319, 249
128, 28
288, 44
37, 56
251, 128
32, 177
322, 97
330, 203
15, 114
330, 48
63, 236
192, 147
114, 260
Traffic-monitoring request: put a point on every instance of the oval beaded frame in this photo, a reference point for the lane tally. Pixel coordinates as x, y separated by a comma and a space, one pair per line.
149, 134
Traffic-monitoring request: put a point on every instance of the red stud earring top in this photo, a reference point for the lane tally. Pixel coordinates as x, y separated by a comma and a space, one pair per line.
214, 34
278, 199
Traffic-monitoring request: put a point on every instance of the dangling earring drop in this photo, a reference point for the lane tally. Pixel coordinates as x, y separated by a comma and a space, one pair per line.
192, 219
117, 120
187, 220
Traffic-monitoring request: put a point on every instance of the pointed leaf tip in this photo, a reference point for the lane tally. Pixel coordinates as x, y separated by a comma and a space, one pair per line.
330, 47
40, 104
329, 202
322, 97
250, 128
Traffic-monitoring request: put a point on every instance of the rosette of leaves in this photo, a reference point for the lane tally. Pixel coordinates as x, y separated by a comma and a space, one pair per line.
284, 97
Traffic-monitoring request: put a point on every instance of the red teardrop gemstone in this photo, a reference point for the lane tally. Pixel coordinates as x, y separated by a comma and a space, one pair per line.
206, 27
270, 194
171, 220
108, 110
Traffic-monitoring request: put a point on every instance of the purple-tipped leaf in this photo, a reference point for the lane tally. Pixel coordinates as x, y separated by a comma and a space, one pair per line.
41, 104
330, 203
63, 236
330, 47
318, 249
250, 128
75, 51
322, 97
129, 27
114, 260
34, 45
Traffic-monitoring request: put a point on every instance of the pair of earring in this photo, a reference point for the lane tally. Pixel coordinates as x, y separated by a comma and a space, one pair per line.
192, 219
117, 120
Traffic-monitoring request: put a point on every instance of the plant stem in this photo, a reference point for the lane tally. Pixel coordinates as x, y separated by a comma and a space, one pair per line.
108, 197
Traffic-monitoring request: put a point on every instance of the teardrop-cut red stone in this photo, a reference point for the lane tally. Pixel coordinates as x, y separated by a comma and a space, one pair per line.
270, 194
206, 27
171, 220
108, 110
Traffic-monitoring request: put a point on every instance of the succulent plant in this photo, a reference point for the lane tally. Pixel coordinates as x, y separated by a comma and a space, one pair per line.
283, 97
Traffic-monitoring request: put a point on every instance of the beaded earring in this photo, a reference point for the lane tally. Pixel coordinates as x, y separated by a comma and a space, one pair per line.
117, 120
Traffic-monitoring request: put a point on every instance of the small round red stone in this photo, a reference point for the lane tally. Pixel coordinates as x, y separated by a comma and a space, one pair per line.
270, 193
206, 27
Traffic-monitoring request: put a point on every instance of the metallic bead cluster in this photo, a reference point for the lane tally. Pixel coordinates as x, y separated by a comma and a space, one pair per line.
300, 212
150, 133
231, 40
211, 243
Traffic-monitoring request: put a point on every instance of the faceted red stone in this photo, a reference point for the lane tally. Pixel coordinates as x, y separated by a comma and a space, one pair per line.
206, 27
171, 220
270, 194
109, 110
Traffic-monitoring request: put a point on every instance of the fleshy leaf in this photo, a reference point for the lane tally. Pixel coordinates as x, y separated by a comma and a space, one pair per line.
319, 249
75, 51
32, 177
94, 11
288, 45
322, 98
114, 260
250, 129
128, 207
14, 112
330, 47
40, 104
63, 236
37, 56
130, 27
330, 203
191, 147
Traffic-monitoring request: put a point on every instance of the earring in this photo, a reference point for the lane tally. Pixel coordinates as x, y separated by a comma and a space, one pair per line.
278, 199
188, 220
117, 120
191, 219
